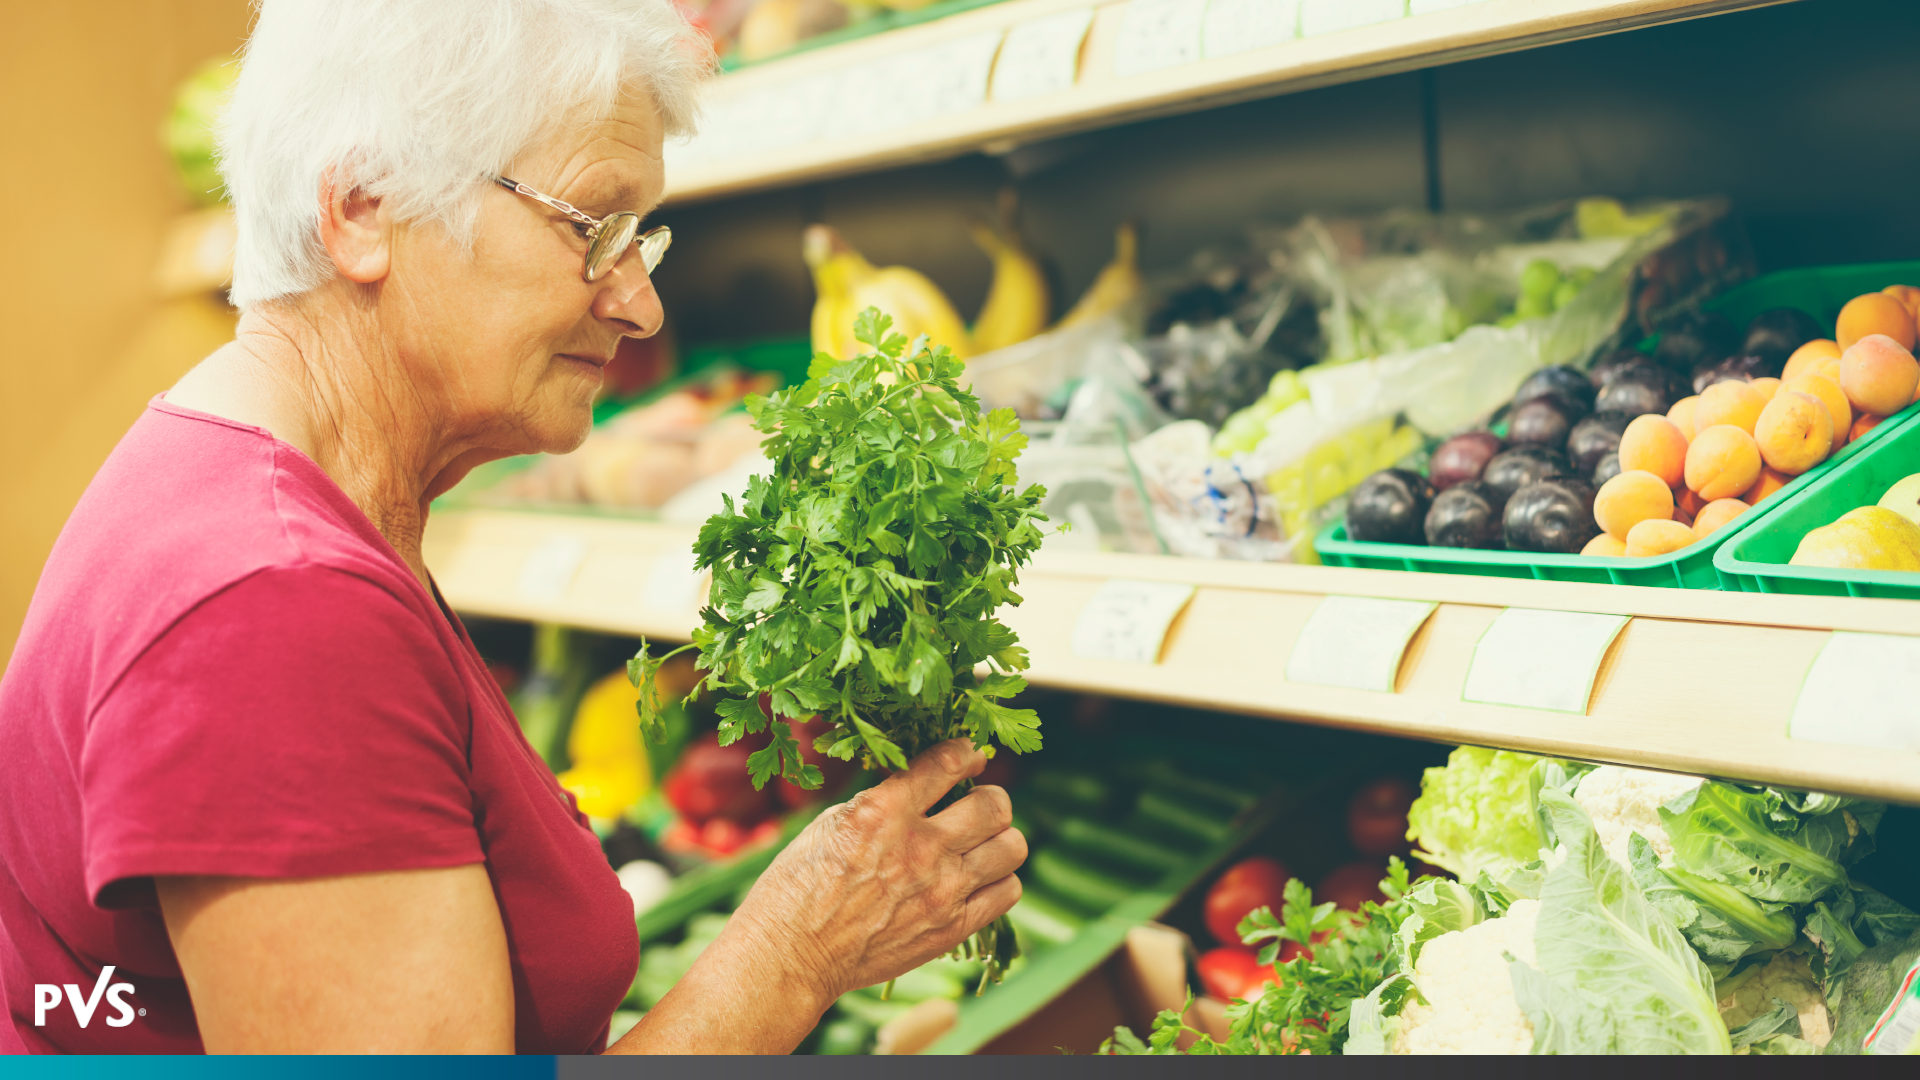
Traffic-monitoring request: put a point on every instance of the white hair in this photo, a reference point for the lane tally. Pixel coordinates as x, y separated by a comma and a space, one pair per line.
419, 103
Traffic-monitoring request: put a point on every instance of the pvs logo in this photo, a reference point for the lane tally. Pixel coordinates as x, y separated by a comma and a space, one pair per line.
46, 996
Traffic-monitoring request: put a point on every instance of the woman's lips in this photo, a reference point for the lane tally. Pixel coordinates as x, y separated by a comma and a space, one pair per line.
596, 361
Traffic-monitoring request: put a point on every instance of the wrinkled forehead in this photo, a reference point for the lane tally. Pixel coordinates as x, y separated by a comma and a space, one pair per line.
602, 163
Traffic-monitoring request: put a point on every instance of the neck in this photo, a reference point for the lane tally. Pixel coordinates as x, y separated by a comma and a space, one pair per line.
316, 372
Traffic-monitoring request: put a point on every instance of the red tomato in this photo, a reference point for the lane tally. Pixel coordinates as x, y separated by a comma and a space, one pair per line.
1352, 884
710, 781
764, 833
1377, 816
723, 836
1249, 884
1291, 949
681, 837
1223, 971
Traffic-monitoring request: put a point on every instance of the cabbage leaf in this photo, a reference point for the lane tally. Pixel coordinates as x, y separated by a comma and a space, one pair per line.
1473, 813
1612, 975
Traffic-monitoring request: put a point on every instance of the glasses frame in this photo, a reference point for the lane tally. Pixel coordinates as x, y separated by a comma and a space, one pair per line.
607, 237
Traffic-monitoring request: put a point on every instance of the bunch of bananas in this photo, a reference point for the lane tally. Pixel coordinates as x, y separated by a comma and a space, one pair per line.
1017, 305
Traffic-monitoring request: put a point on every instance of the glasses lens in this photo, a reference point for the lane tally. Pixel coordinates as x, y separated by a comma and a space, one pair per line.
616, 232
653, 247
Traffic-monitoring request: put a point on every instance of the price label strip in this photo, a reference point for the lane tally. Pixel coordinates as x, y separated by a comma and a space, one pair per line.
1041, 56
1898, 1030
1127, 620
550, 568
1332, 16
1423, 7
1356, 641
1237, 26
673, 585
1156, 34
1533, 659
1860, 692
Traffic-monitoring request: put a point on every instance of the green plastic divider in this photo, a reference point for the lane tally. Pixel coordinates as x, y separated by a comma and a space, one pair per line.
1820, 292
1757, 560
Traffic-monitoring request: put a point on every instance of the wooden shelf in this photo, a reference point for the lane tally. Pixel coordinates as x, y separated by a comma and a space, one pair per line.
1699, 682
925, 92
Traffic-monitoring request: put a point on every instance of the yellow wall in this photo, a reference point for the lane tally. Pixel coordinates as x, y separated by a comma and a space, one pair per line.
85, 192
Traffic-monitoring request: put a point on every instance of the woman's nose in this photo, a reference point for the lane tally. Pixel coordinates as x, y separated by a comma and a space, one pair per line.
626, 298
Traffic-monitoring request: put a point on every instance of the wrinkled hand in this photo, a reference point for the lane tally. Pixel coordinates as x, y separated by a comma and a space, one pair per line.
874, 888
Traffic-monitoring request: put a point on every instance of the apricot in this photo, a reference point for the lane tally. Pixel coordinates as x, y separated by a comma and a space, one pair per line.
1717, 513
1688, 501
1605, 545
1736, 403
1680, 514
1862, 424
1682, 415
1907, 295
1629, 499
1795, 432
1722, 462
1835, 399
1652, 443
1806, 355
1771, 480
1657, 538
1875, 313
1767, 386
1878, 375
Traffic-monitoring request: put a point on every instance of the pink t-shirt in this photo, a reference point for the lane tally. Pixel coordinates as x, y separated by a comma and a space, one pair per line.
227, 670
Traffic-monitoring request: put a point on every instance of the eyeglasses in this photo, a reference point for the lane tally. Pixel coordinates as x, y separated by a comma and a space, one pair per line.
607, 237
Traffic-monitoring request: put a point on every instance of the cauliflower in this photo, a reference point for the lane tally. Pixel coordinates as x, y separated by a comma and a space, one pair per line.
1623, 801
1787, 977
1463, 976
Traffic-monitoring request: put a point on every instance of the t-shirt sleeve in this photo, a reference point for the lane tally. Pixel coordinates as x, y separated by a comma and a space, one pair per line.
303, 722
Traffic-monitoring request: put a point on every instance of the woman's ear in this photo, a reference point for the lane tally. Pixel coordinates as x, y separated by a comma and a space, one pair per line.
356, 230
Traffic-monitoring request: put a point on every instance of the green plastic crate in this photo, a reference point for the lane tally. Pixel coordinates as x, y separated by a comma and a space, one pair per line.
1756, 560
1820, 292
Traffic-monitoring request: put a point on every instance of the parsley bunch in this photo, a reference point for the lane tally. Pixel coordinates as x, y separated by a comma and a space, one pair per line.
1309, 1011
859, 580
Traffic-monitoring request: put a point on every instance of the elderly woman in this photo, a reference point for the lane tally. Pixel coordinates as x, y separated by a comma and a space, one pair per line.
259, 791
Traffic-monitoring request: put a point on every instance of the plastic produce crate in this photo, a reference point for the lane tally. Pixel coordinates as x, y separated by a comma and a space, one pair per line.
1820, 292
1756, 560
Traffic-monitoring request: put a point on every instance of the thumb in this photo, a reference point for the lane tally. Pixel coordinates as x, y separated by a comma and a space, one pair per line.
937, 769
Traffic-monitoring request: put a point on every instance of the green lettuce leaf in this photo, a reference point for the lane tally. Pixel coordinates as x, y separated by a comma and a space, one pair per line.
1473, 814
1612, 975
1370, 1031
1783, 1020
1853, 922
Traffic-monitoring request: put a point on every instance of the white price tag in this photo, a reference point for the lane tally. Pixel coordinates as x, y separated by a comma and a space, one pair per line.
1422, 7
1540, 659
1331, 16
1860, 692
953, 77
1128, 620
548, 572
1157, 34
1356, 641
673, 585
1237, 26
1041, 56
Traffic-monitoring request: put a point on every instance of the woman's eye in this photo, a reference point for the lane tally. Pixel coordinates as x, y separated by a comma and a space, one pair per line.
580, 230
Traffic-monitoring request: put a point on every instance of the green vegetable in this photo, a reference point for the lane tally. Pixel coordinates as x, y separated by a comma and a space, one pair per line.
1071, 788
1722, 923
1077, 881
859, 580
1863, 991
1203, 822
1040, 917
1612, 975
1348, 980
1856, 920
1120, 846
1754, 841
1436, 906
1473, 814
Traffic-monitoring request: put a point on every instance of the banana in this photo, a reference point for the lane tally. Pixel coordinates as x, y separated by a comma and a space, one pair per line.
847, 284
1118, 284
1018, 302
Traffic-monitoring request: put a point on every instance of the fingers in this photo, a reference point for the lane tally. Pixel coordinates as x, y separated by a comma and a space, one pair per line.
996, 858
938, 768
973, 819
991, 902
